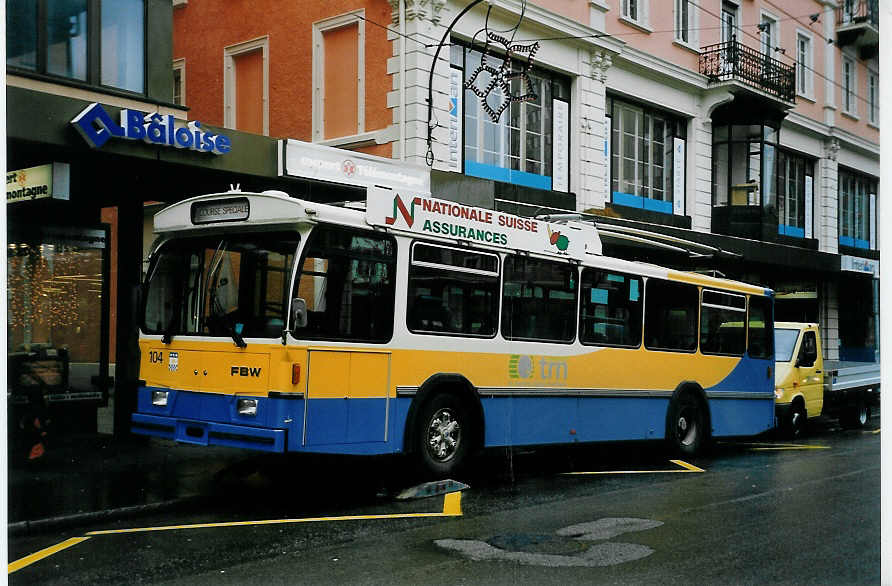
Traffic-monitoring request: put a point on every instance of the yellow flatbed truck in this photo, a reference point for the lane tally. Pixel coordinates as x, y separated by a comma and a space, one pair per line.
807, 386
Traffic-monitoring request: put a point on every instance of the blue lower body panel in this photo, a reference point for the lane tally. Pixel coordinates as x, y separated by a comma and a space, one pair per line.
209, 433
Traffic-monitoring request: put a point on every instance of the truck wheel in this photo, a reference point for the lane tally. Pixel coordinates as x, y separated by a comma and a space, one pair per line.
856, 416
797, 420
443, 435
686, 431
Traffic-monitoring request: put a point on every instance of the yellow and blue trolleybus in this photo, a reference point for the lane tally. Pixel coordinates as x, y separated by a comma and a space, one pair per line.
422, 326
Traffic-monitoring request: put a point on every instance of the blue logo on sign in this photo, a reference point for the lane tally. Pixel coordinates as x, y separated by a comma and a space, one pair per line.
97, 127
453, 106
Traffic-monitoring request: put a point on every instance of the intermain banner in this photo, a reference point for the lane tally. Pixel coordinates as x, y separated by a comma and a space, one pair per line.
424, 214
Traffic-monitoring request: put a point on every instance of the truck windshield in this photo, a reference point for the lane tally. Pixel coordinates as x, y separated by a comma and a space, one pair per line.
230, 286
784, 344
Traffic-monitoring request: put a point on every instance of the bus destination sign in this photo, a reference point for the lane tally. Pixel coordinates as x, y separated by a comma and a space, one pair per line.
424, 214
226, 210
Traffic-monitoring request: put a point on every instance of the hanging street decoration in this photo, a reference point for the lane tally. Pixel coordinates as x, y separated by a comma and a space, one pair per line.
502, 76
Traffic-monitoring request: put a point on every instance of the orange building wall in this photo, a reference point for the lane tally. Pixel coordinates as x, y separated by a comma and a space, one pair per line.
203, 28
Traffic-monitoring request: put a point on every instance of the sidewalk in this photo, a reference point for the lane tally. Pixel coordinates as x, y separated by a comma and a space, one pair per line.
90, 477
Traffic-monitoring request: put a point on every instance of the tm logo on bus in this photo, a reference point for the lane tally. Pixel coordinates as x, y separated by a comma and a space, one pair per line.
244, 371
523, 366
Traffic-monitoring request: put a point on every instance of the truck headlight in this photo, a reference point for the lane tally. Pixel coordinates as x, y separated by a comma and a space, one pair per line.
159, 398
778, 393
246, 407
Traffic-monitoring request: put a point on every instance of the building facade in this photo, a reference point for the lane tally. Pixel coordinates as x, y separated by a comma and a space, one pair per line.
749, 129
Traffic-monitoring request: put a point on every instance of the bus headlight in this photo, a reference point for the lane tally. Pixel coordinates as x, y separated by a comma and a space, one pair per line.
159, 398
246, 407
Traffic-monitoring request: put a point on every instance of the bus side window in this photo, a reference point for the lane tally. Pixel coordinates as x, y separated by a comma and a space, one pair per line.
670, 316
610, 312
347, 281
452, 291
760, 327
539, 300
721, 323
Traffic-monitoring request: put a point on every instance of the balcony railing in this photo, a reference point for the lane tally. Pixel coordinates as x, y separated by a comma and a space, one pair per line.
733, 60
857, 12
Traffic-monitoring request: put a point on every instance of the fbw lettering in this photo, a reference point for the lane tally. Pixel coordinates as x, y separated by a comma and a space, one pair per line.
244, 371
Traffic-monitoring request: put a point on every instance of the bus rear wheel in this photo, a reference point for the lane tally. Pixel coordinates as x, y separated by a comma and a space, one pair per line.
686, 427
443, 435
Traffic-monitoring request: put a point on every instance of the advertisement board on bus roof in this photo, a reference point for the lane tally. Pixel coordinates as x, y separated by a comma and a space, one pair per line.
423, 214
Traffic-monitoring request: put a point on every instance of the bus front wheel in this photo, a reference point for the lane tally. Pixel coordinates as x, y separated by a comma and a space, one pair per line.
686, 431
444, 434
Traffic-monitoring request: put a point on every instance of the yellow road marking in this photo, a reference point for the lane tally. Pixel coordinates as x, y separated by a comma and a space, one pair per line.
451, 508
685, 468
767, 447
874, 431
43, 553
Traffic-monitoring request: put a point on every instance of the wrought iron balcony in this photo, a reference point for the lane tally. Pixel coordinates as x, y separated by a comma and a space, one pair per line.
858, 24
734, 61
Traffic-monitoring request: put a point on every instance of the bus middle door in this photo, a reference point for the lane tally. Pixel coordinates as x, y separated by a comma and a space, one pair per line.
347, 396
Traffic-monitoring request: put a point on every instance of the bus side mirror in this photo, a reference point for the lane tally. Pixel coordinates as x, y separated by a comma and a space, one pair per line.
298, 313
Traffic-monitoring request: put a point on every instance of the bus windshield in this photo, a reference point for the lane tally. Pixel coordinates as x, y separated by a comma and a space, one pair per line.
233, 285
785, 343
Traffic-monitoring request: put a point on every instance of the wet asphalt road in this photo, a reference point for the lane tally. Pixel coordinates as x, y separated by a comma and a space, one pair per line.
809, 515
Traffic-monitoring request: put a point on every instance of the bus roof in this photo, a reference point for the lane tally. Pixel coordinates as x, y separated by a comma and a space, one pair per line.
421, 215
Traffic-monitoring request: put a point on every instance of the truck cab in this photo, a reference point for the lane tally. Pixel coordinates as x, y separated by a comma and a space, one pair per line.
806, 385
799, 375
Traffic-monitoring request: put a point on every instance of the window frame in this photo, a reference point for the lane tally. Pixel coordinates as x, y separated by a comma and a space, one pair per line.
849, 86
93, 57
636, 12
230, 107
854, 191
686, 26
446, 268
873, 97
178, 67
805, 77
772, 34
356, 17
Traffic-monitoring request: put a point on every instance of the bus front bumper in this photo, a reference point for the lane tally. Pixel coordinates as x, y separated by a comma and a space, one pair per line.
205, 433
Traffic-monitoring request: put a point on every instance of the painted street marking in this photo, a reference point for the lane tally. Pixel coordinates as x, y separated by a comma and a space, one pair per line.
766, 447
43, 553
874, 431
684, 465
451, 508
608, 553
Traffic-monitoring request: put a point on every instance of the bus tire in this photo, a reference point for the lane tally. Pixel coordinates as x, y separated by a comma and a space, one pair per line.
443, 435
796, 421
687, 428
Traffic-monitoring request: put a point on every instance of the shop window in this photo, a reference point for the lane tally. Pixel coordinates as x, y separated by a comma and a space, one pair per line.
643, 161
857, 210
339, 76
246, 86
53, 37
521, 146
453, 291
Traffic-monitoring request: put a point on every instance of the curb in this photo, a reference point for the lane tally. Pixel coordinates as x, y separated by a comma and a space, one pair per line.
24, 527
